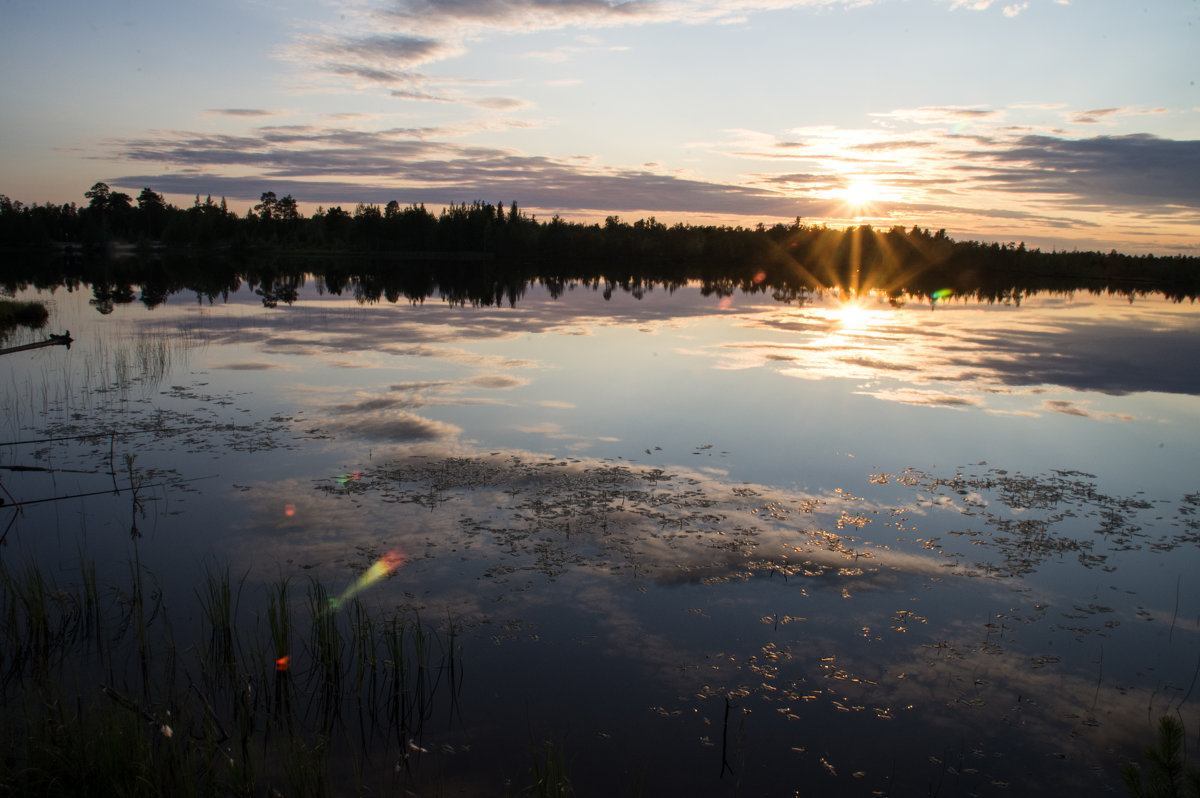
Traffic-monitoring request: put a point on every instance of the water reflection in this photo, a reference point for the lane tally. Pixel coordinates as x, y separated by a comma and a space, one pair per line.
1098, 346
913, 607
711, 535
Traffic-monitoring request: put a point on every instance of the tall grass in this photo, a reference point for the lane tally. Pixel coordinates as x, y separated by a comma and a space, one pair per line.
95, 373
291, 697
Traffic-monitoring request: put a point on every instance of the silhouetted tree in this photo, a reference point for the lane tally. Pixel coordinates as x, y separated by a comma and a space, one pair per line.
266, 206
97, 196
286, 209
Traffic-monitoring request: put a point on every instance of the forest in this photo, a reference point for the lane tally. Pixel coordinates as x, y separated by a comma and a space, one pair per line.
488, 250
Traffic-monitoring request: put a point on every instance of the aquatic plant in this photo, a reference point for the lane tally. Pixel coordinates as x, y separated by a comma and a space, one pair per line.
221, 715
551, 774
1168, 777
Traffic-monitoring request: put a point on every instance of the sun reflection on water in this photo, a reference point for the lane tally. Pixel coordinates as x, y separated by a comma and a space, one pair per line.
853, 316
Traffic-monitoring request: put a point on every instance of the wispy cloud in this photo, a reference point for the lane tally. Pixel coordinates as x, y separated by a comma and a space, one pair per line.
378, 166
241, 112
1092, 117
912, 396
568, 51
399, 427
387, 39
425, 14
374, 57
1082, 410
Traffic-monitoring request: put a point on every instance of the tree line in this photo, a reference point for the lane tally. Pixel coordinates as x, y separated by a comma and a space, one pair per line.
789, 257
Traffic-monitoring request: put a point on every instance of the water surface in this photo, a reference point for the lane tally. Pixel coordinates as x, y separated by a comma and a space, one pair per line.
707, 544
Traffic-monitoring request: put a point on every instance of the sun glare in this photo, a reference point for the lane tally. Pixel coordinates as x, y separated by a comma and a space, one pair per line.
858, 193
852, 315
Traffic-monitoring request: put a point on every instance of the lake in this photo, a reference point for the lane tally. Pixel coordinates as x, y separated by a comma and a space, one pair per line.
659, 540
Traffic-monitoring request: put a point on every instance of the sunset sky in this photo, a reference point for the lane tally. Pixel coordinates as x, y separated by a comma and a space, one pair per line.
1065, 124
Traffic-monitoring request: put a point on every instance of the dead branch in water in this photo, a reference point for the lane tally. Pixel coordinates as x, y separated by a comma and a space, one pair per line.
54, 340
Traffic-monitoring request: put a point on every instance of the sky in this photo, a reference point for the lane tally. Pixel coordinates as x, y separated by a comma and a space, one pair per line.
1066, 124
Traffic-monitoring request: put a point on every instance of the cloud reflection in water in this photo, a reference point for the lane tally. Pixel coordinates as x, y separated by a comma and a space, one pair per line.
919, 599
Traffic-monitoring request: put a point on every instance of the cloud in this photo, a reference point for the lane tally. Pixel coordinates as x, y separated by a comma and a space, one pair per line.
500, 103
251, 366
1094, 116
240, 112
398, 427
1015, 9
940, 114
541, 14
1081, 410
953, 359
967, 164
490, 103
375, 57
394, 49
914, 396
566, 52
1106, 170
498, 382
395, 36
422, 96
402, 164
370, 405
955, 162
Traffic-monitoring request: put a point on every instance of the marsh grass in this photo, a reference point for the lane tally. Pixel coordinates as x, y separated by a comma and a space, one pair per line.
96, 374
551, 774
288, 696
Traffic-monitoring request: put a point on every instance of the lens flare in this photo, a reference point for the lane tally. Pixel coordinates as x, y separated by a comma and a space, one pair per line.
384, 566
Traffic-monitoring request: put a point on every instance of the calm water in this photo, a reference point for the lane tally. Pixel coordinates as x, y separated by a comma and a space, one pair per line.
707, 545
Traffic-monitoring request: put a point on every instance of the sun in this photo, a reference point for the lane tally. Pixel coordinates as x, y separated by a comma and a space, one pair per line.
859, 193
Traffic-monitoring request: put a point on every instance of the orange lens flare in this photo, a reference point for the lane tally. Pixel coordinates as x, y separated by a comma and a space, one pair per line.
281, 664
384, 566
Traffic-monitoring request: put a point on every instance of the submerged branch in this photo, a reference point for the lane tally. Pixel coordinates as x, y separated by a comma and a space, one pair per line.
54, 340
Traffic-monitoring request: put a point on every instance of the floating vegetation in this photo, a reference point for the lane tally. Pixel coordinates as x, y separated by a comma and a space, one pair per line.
551, 514
1077, 518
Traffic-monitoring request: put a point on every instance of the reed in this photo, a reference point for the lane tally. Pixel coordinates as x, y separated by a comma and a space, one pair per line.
216, 598
325, 648
551, 776
230, 708
91, 619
